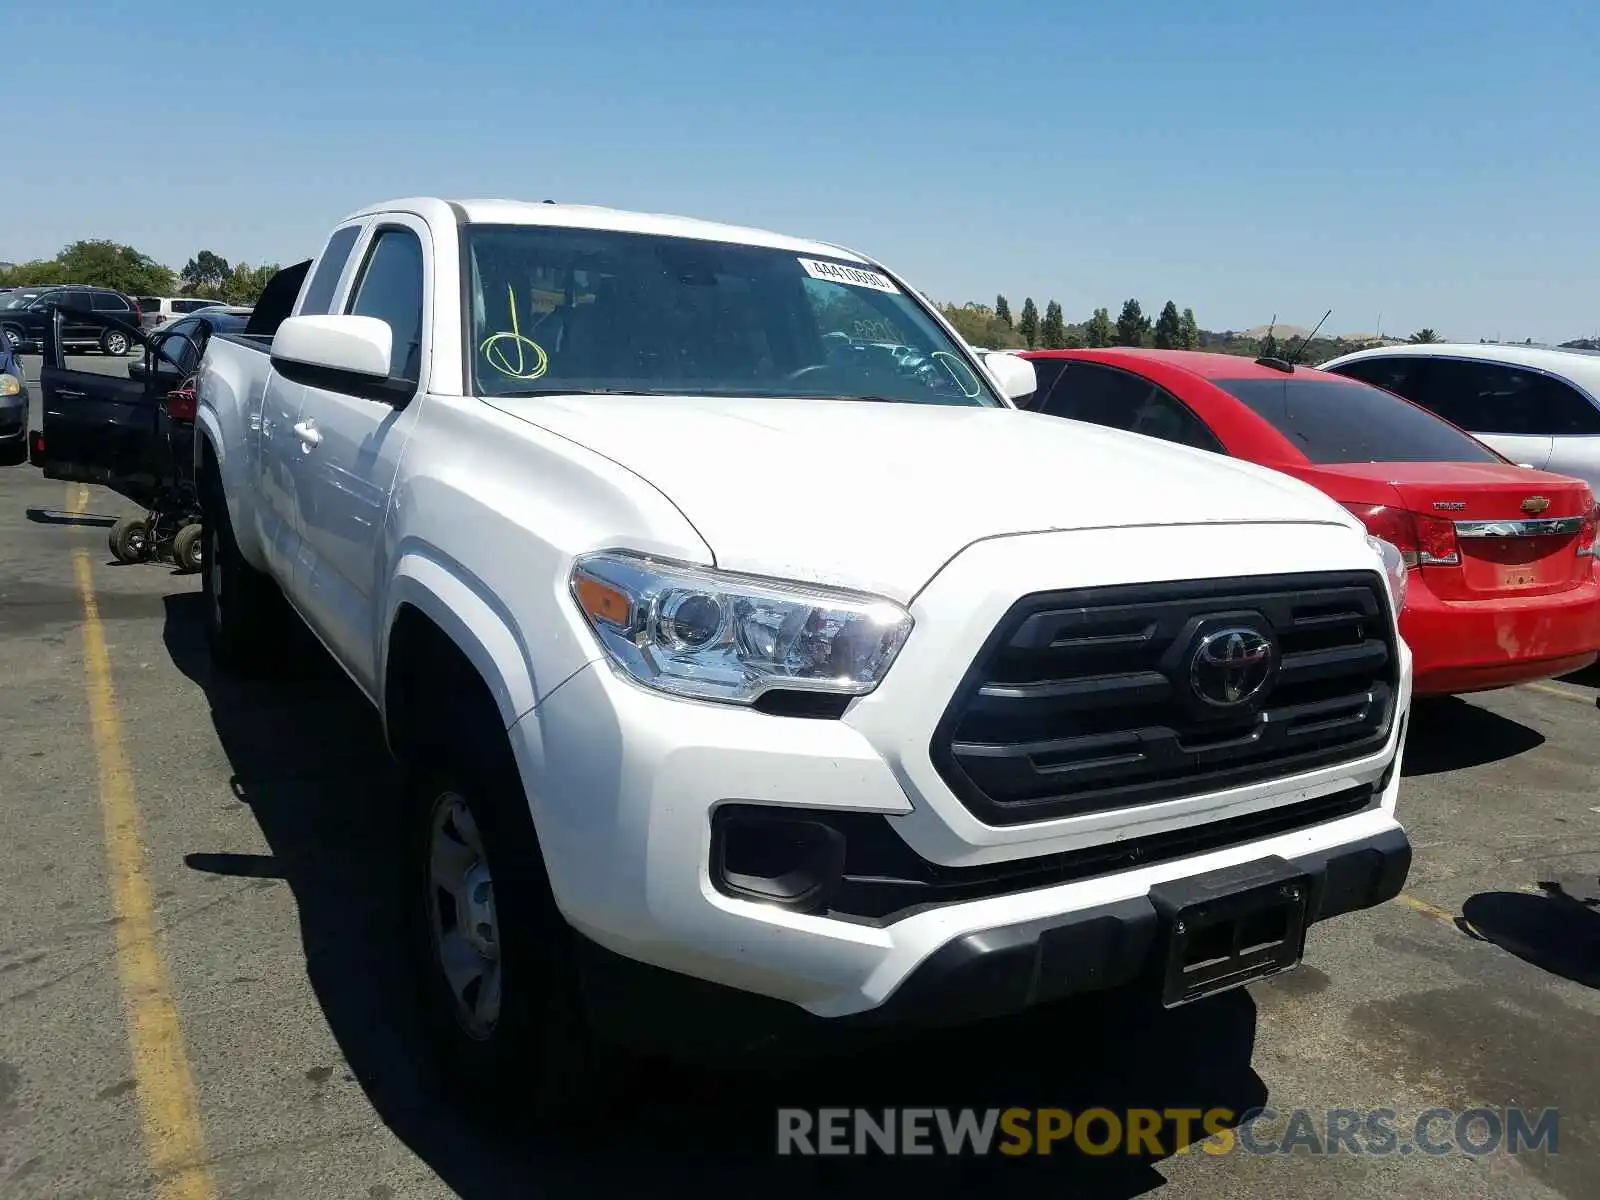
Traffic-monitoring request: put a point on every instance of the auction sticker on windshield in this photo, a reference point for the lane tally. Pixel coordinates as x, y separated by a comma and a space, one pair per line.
855, 276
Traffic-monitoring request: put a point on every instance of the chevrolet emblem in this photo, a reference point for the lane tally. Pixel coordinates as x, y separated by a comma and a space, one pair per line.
1534, 505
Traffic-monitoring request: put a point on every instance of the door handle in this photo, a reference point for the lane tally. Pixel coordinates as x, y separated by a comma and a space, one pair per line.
308, 433
66, 394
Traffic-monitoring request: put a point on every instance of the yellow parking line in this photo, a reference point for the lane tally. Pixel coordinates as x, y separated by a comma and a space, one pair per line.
173, 1137
77, 499
1426, 909
1551, 689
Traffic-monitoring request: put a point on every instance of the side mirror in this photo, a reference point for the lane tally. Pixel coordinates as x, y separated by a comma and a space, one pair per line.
348, 345
136, 369
1016, 376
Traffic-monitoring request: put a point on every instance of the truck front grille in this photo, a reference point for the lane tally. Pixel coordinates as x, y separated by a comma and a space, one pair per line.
1093, 699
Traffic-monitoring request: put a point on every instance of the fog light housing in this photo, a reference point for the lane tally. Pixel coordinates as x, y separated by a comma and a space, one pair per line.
770, 856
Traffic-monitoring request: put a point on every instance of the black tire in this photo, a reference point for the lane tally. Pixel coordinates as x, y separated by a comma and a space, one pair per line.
245, 614
539, 1062
114, 342
12, 335
14, 454
129, 540
186, 548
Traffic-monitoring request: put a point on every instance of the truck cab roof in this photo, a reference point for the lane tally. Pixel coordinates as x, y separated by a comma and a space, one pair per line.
494, 211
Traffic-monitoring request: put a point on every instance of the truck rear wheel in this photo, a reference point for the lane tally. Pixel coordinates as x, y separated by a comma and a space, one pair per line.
497, 984
245, 614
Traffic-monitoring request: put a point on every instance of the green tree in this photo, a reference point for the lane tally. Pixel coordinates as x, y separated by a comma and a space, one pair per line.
111, 265
1099, 330
39, 270
1053, 330
1169, 327
979, 325
1424, 337
1028, 324
1002, 310
245, 283
1132, 325
1188, 331
206, 274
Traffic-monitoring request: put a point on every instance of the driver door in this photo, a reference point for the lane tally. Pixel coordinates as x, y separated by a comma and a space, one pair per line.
101, 428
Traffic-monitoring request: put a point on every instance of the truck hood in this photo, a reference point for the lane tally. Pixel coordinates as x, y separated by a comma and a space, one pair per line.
878, 496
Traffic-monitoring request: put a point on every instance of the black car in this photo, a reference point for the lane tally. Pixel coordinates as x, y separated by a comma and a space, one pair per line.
13, 409
24, 313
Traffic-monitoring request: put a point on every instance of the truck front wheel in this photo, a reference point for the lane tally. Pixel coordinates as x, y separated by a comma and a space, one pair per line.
497, 984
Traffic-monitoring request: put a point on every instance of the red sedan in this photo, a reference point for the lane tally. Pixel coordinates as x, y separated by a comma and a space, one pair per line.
1503, 586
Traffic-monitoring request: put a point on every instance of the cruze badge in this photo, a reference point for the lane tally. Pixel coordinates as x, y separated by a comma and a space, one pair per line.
1450, 505
1231, 666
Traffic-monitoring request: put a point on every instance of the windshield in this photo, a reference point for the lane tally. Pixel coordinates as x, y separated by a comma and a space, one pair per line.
580, 310
1342, 421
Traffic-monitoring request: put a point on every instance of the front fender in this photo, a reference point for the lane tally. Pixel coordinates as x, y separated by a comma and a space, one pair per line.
471, 616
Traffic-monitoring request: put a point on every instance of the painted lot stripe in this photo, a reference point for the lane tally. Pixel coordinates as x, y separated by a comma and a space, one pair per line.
1565, 693
174, 1140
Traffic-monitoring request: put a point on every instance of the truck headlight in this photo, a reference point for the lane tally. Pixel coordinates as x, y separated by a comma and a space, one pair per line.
1394, 570
693, 631
10, 385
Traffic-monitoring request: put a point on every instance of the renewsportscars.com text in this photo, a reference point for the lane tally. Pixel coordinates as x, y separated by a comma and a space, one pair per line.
1148, 1131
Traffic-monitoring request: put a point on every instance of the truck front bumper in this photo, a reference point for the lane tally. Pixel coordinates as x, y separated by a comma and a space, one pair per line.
980, 975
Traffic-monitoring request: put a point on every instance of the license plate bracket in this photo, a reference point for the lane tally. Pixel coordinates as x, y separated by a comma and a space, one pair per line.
1230, 927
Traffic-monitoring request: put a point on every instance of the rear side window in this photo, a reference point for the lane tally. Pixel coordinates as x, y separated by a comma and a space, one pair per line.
150, 304
1120, 400
189, 306
1488, 397
109, 302
319, 292
390, 289
1333, 422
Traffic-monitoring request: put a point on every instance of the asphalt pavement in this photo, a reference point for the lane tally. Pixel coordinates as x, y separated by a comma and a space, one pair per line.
202, 992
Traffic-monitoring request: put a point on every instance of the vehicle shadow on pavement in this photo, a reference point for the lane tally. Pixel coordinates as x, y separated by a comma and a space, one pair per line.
307, 756
1557, 929
1448, 733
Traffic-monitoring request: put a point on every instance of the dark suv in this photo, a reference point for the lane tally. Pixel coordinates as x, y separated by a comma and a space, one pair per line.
24, 313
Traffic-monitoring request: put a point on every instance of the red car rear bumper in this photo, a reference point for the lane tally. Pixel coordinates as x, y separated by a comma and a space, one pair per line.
1473, 645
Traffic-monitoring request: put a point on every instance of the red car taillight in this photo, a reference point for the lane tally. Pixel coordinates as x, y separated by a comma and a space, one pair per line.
1586, 534
1423, 541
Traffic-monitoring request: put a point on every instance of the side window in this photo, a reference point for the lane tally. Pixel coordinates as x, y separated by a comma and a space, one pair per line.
1118, 400
1562, 410
1393, 373
1485, 397
108, 302
319, 289
390, 289
1048, 371
1162, 415
178, 343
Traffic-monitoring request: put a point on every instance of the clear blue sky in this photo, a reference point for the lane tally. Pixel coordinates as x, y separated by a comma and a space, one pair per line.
1433, 162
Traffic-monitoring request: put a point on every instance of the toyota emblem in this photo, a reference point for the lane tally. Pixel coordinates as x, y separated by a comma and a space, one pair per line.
1232, 666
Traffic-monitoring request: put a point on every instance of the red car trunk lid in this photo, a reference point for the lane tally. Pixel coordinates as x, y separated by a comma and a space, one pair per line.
1512, 531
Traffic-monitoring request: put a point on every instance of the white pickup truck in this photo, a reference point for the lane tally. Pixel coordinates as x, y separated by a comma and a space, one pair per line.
759, 668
